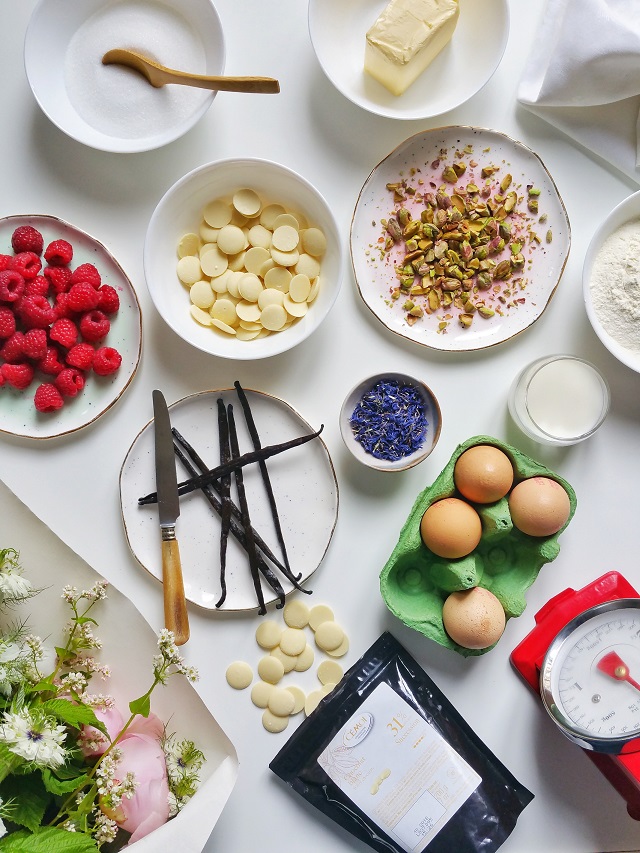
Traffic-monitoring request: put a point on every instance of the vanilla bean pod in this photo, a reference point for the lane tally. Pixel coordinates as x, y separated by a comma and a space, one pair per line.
266, 479
225, 496
198, 482
238, 532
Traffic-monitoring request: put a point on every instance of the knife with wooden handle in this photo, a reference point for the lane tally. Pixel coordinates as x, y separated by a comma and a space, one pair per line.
176, 618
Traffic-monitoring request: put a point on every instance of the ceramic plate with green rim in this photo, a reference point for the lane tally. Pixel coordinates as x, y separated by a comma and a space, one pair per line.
18, 415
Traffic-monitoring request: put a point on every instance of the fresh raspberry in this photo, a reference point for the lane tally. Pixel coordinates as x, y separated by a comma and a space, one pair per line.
106, 360
58, 253
36, 312
12, 350
69, 381
5, 260
83, 297
26, 238
11, 286
1, 379
28, 264
61, 306
7, 322
18, 375
58, 277
86, 272
47, 398
81, 356
109, 299
38, 286
35, 344
64, 331
50, 364
94, 326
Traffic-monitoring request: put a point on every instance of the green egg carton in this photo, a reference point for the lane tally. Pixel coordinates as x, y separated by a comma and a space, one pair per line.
415, 582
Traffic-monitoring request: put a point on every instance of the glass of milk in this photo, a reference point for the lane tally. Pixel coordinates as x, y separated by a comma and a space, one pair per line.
559, 400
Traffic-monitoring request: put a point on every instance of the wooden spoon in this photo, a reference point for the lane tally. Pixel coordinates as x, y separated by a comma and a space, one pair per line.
158, 75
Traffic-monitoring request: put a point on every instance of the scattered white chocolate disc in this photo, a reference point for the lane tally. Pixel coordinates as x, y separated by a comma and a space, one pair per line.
189, 269
214, 262
270, 296
278, 278
330, 672
318, 614
285, 238
268, 634
260, 693
270, 669
281, 702
273, 317
201, 294
273, 723
250, 287
294, 309
299, 287
299, 697
248, 312
293, 641
259, 237
224, 309
341, 650
288, 661
305, 659
239, 675
231, 240
296, 613
306, 265
312, 701
269, 214
314, 242
255, 258
329, 636
247, 202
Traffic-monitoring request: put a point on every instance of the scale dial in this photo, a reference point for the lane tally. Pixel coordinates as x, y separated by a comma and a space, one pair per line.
590, 676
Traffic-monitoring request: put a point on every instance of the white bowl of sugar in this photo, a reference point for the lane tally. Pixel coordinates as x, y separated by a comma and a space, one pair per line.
113, 108
611, 282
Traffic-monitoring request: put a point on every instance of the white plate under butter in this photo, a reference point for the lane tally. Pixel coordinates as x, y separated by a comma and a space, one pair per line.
304, 485
338, 28
545, 262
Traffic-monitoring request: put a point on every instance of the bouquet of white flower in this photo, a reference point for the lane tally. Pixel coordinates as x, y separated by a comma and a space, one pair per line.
74, 773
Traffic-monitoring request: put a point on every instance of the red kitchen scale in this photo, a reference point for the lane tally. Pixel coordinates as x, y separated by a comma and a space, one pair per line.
583, 660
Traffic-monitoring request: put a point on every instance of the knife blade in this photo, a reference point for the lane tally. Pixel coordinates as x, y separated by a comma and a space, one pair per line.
176, 618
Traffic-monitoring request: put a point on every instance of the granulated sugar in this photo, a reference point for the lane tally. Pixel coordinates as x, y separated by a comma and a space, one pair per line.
118, 101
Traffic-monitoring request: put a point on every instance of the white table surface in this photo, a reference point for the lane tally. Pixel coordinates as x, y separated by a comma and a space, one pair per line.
72, 482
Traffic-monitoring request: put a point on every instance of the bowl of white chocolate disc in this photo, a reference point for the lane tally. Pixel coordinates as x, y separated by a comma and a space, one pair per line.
243, 258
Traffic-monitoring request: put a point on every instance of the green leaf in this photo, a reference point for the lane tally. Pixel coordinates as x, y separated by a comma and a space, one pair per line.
141, 706
48, 840
73, 714
82, 620
8, 761
42, 686
60, 786
30, 799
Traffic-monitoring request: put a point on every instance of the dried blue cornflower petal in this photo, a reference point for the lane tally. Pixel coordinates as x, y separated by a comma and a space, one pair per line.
390, 421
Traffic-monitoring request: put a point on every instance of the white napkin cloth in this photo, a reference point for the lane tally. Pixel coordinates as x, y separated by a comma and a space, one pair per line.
583, 76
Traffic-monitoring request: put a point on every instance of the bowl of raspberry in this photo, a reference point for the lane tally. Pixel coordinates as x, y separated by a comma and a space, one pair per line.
70, 327
110, 107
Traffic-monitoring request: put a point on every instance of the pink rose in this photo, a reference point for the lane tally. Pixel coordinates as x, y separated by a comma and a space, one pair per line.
148, 809
151, 726
92, 741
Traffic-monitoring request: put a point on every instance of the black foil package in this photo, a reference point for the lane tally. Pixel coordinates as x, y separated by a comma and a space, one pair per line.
388, 757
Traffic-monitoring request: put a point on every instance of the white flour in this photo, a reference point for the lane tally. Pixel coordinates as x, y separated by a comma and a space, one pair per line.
615, 285
118, 101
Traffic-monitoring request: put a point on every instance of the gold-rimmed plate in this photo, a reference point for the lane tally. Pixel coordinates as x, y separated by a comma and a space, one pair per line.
541, 234
18, 415
304, 485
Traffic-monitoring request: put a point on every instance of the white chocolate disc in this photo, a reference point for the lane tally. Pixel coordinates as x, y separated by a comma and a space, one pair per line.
214, 262
200, 316
285, 259
330, 672
299, 698
268, 634
208, 234
269, 264
278, 278
217, 214
239, 675
287, 219
314, 242
255, 258
281, 702
188, 245
308, 266
219, 283
270, 669
236, 262
312, 701
247, 202
305, 659
270, 296
319, 614
285, 238
260, 693
296, 613
315, 287
249, 312
201, 294
293, 641
295, 309
342, 649
269, 215
232, 284
273, 723
259, 237
224, 327
299, 288
189, 270
273, 317
231, 240
224, 310
247, 334
329, 635
288, 661
250, 287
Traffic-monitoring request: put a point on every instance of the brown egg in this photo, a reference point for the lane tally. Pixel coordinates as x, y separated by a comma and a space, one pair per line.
473, 618
483, 474
451, 528
539, 506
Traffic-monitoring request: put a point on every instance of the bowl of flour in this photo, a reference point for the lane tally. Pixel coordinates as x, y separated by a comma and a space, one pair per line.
611, 282
113, 108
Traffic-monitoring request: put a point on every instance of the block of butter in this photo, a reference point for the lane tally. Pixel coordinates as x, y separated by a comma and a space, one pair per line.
406, 38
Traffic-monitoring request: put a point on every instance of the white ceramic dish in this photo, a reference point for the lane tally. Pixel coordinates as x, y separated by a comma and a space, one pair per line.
304, 485
432, 414
420, 160
463, 67
113, 108
626, 211
180, 211
18, 414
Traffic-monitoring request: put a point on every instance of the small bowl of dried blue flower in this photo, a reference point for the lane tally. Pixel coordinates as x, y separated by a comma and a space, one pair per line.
390, 421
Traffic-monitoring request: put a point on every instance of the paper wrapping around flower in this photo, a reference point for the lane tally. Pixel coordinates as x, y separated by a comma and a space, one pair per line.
583, 76
129, 647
